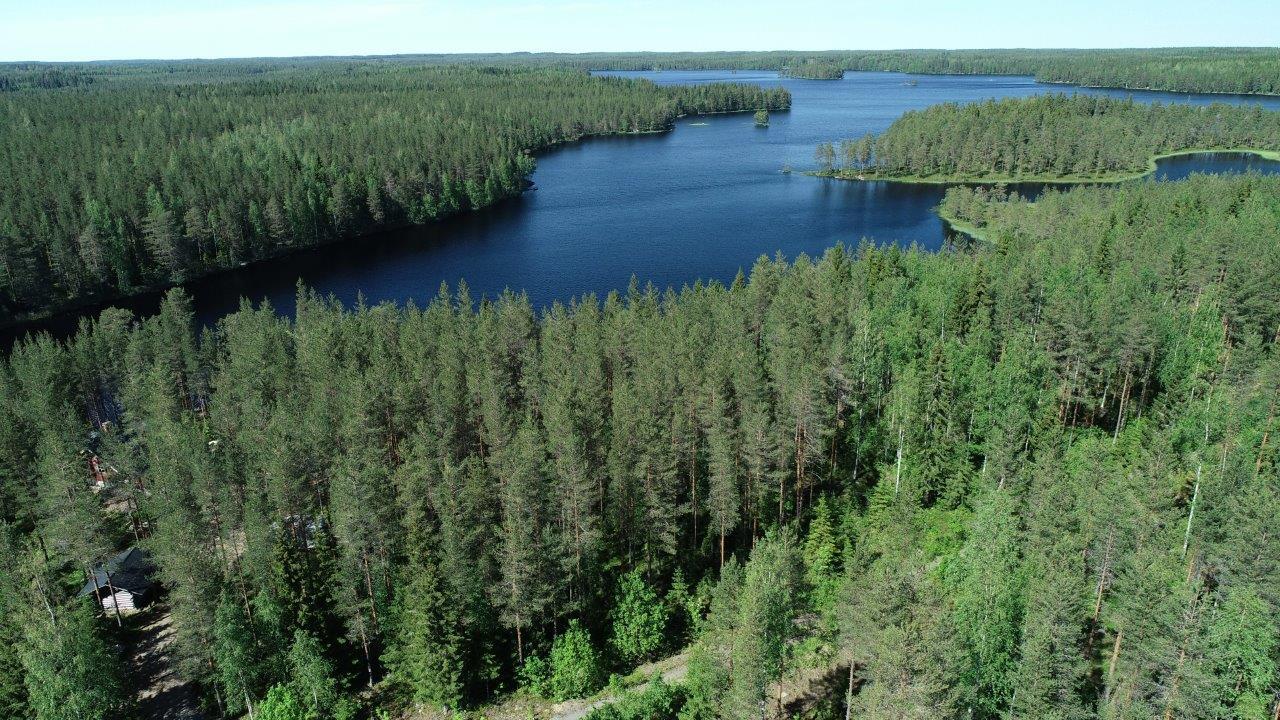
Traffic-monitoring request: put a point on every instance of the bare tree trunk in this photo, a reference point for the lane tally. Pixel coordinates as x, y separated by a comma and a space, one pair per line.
364, 642
115, 605
1111, 667
722, 544
848, 693
1195, 495
368, 583
897, 474
1124, 398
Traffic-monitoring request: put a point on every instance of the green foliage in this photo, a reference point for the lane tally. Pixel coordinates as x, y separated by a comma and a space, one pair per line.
266, 159
822, 554
988, 602
767, 609
237, 654
1228, 70
311, 675
13, 691
1054, 136
815, 70
1016, 433
576, 669
428, 657
535, 676
706, 683
639, 619
1241, 644
71, 672
283, 703
658, 699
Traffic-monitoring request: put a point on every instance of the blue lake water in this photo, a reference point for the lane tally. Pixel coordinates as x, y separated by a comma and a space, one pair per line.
700, 202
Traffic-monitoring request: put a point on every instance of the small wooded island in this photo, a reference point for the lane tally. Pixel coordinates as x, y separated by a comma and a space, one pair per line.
1052, 138
814, 70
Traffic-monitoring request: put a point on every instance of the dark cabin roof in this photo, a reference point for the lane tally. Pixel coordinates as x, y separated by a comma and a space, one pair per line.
130, 570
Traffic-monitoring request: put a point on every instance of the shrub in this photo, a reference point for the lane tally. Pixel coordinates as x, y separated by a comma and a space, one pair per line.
638, 619
535, 676
658, 700
575, 664
282, 703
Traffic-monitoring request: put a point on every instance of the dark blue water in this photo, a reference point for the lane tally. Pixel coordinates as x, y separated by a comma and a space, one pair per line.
700, 202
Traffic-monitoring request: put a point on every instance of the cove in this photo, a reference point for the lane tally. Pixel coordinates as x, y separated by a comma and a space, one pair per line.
698, 203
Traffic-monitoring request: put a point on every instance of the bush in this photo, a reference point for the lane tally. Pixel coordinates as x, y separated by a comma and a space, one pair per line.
658, 700
575, 664
535, 676
282, 703
706, 684
639, 619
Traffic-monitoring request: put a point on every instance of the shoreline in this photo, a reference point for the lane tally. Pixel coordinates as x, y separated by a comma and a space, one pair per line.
962, 227
93, 306
1152, 166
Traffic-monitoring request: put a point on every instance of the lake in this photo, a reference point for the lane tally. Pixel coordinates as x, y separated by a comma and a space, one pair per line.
700, 202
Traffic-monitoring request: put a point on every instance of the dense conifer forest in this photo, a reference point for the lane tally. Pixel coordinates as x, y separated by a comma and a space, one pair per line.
1047, 137
1246, 70
814, 70
1031, 477
119, 177
1209, 70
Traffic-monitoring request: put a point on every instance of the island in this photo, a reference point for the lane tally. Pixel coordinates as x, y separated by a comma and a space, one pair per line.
814, 70
1050, 138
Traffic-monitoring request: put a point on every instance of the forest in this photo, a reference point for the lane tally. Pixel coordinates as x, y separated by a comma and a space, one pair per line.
122, 177
1046, 137
1243, 70
814, 70
1031, 477
1216, 70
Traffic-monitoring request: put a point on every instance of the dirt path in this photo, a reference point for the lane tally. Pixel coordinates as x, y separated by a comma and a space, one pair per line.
673, 669
161, 694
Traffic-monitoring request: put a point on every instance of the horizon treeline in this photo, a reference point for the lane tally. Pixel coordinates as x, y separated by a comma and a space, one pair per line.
1203, 70
1030, 479
1238, 70
113, 187
1041, 136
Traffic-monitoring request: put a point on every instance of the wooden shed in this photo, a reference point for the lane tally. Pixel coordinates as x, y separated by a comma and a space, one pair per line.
122, 583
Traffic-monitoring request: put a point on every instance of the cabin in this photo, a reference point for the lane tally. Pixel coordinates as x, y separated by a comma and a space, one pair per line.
122, 583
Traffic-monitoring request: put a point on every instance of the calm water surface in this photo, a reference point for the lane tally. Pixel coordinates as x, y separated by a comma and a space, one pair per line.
700, 202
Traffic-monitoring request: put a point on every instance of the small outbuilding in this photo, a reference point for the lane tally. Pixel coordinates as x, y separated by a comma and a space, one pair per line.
122, 583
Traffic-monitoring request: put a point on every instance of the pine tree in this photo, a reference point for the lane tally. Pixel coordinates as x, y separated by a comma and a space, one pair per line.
428, 657
525, 588
71, 672
988, 597
765, 625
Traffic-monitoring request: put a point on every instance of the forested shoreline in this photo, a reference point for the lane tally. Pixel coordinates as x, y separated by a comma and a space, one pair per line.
161, 174
1243, 70
1033, 478
1046, 138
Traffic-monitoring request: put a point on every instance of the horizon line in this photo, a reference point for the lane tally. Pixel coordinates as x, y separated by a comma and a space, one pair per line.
509, 53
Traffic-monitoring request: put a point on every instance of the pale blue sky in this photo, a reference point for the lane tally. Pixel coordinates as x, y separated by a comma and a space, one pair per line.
117, 29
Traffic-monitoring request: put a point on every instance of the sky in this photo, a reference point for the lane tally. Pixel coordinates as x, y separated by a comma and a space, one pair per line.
75, 30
